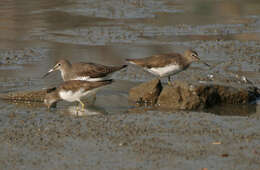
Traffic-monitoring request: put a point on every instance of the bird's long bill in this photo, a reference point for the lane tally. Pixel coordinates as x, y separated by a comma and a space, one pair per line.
206, 64
203, 62
45, 75
197, 58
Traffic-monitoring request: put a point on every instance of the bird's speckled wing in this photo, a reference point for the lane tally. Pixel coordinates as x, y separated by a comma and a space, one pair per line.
159, 60
94, 70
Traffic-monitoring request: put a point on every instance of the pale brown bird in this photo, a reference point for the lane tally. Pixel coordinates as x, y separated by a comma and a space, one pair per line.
166, 65
84, 71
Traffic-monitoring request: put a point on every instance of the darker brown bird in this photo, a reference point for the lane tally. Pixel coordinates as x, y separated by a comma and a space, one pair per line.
73, 90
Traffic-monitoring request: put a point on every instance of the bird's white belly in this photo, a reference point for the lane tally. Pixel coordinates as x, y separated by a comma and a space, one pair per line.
165, 71
72, 96
87, 78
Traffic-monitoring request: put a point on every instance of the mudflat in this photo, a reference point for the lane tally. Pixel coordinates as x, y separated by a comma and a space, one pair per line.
113, 133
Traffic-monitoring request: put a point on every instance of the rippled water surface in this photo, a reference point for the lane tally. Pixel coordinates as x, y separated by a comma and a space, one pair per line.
35, 34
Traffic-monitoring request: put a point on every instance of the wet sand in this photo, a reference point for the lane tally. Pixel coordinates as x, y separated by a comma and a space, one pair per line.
113, 133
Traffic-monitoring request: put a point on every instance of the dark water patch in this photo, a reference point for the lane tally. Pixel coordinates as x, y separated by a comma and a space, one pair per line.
240, 37
126, 9
22, 56
220, 110
233, 110
20, 84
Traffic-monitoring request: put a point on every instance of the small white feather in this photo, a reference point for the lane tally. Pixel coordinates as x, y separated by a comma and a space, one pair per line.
87, 78
62, 75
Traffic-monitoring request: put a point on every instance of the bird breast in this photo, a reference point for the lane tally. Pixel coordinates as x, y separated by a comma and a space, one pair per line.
72, 96
88, 78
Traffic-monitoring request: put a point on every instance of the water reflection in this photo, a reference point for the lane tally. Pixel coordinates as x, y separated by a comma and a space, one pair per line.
88, 111
60, 108
106, 22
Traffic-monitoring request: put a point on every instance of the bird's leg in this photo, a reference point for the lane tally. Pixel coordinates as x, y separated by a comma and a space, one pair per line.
77, 110
95, 97
82, 105
169, 80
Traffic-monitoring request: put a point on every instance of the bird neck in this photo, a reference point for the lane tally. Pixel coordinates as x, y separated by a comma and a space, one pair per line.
65, 70
51, 98
186, 62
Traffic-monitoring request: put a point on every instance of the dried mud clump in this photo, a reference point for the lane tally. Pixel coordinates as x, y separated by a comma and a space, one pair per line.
146, 93
26, 96
190, 96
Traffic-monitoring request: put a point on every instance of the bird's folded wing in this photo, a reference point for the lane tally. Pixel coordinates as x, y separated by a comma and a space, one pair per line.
75, 85
159, 60
94, 70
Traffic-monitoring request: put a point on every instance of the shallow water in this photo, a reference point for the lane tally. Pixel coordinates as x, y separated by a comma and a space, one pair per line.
34, 34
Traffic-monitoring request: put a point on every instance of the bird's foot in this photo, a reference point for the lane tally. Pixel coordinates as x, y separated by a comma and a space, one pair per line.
170, 83
82, 106
77, 111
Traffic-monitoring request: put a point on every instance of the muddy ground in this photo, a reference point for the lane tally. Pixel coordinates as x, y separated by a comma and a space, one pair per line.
113, 133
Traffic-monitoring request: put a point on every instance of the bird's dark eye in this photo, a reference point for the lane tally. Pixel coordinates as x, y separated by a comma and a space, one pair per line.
59, 64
